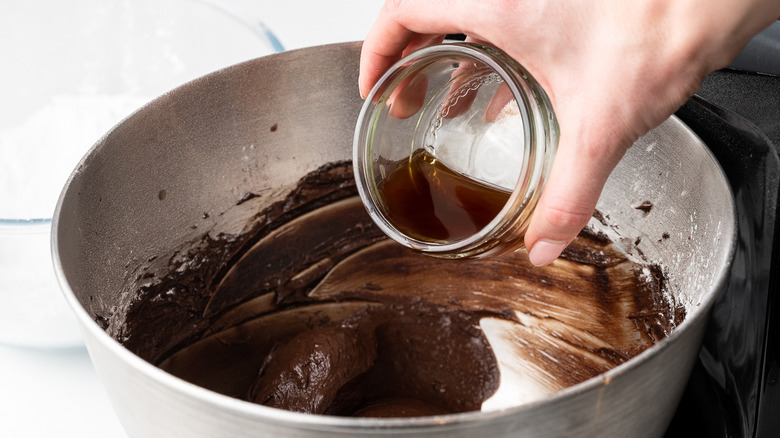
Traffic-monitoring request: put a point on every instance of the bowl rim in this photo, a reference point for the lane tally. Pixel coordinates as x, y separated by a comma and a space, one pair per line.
25, 226
698, 314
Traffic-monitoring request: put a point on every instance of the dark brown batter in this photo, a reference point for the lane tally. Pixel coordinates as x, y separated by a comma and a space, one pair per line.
314, 310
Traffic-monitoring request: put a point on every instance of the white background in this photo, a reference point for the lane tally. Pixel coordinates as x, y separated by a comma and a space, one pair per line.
56, 393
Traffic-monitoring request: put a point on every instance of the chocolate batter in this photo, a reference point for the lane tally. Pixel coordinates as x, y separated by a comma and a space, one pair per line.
314, 310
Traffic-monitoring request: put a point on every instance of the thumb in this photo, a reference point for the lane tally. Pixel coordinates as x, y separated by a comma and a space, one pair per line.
576, 179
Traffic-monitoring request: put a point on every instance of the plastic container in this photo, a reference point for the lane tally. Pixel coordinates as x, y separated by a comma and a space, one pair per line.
73, 70
452, 149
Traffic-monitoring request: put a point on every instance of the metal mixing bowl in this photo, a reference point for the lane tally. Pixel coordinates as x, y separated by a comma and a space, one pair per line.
260, 126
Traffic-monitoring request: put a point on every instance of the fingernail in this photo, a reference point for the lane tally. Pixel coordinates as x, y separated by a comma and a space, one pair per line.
362, 95
545, 251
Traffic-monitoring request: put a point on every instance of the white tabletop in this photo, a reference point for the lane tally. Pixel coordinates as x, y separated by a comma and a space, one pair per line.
47, 393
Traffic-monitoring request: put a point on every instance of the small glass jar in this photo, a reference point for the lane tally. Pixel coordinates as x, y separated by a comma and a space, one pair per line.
452, 149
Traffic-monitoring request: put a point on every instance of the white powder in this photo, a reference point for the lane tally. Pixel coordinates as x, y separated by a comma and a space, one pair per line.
78, 68
37, 156
492, 152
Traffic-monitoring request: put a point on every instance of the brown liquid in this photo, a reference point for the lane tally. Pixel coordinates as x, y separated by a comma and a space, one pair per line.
426, 200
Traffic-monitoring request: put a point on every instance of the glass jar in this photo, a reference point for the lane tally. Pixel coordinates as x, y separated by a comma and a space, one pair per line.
452, 149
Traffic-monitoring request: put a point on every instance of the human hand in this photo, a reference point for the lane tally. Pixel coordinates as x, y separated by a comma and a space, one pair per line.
612, 69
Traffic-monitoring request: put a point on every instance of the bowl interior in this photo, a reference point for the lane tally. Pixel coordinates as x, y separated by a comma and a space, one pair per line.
204, 159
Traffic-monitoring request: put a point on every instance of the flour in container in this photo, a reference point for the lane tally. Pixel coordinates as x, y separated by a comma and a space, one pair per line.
37, 155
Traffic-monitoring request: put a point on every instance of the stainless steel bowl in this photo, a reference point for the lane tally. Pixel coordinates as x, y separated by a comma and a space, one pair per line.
260, 126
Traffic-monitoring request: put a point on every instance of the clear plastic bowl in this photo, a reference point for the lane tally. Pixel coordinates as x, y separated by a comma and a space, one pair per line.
74, 70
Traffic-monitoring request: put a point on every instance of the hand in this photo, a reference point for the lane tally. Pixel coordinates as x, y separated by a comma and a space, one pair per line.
613, 69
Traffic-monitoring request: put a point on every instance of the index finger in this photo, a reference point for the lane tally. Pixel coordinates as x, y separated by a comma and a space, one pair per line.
384, 45
400, 28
